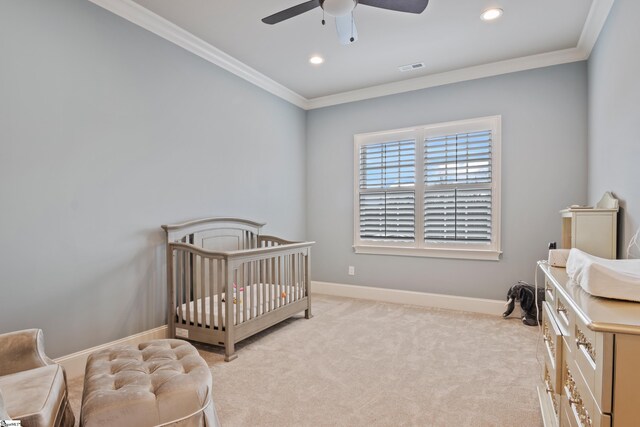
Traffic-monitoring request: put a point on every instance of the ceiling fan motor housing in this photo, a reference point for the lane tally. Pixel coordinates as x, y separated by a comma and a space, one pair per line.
338, 7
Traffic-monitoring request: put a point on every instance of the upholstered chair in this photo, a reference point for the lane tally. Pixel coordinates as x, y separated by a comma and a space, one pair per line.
33, 388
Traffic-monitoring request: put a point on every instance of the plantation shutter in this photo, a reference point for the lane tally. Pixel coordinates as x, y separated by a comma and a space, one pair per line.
387, 191
458, 199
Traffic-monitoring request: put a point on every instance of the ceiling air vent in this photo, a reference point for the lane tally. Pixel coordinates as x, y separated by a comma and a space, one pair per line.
411, 67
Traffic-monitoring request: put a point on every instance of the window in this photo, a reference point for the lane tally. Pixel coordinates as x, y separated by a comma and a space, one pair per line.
429, 191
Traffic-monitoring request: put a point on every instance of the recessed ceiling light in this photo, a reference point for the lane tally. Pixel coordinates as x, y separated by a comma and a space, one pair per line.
491, 14
316, 60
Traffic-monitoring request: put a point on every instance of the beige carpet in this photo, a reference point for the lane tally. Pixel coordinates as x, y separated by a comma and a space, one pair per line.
361, 363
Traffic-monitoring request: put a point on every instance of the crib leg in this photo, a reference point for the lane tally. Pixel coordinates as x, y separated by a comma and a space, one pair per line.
307, 312
229, 352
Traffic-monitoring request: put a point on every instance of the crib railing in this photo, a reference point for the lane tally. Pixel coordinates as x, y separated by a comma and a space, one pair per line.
221, 297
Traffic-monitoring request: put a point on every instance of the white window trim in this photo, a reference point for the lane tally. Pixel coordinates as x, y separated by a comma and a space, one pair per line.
419, 248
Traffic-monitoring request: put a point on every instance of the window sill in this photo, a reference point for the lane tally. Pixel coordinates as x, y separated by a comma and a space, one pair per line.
476, 254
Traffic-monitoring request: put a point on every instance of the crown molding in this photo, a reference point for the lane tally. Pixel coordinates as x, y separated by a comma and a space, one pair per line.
453, 76
133, 12
156, 24
593, 25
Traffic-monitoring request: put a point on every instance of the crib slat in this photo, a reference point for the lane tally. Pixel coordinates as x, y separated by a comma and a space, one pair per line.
204, 267
274, 280
254, 291
259, 290
263, 287
171, 272
248, 294
279, 280
180, 283
183, 273
287, 279
285, 275
300, 275
272, 284
256, 281
292, 282
294, 278
236, 307
300, 271
296, 272
222, 279
216, 295
211, 285
285, 270
194, 285
182, 270
188, 280
303, 276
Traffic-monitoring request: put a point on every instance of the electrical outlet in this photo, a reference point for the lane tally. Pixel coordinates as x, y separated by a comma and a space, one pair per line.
352, 270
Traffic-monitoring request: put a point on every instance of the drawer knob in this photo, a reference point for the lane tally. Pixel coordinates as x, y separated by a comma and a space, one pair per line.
561, 310
582, 341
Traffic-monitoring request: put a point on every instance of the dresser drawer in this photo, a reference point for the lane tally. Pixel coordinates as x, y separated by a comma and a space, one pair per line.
563, 314
549, 292
552, 343
567, 418
580, 407
593, 356
550, 399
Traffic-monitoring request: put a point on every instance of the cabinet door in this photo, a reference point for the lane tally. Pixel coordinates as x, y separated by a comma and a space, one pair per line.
627, 378
594, 233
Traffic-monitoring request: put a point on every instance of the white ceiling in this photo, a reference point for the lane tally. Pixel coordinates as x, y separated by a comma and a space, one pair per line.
448, 37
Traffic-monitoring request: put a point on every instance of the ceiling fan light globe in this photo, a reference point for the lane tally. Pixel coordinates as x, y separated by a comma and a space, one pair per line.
338, 7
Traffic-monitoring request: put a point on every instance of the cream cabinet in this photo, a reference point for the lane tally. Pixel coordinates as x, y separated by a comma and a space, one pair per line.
591, 230
590, 372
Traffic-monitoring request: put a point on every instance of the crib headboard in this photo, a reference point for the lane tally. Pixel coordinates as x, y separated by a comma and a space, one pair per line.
222, 234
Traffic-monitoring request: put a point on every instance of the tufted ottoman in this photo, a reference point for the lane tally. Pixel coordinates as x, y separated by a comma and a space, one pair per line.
160, 382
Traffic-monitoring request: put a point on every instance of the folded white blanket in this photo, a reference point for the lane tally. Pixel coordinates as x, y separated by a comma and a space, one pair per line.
609, 278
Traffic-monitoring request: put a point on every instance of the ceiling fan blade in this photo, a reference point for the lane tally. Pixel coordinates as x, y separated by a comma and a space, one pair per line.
346, 29
410, 6
291, 12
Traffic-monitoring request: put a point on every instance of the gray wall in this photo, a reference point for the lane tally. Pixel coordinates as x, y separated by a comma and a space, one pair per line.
107, 132
544, 115
614, 115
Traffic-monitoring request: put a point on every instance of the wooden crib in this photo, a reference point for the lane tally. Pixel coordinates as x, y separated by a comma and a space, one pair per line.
227, 282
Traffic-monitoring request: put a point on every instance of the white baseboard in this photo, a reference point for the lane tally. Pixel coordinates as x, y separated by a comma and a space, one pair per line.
449, 302
74, 364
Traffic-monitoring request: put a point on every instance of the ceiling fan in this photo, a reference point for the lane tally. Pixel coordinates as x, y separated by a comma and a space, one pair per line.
342, 10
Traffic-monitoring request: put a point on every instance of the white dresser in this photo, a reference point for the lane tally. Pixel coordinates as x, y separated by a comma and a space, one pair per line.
591, 347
